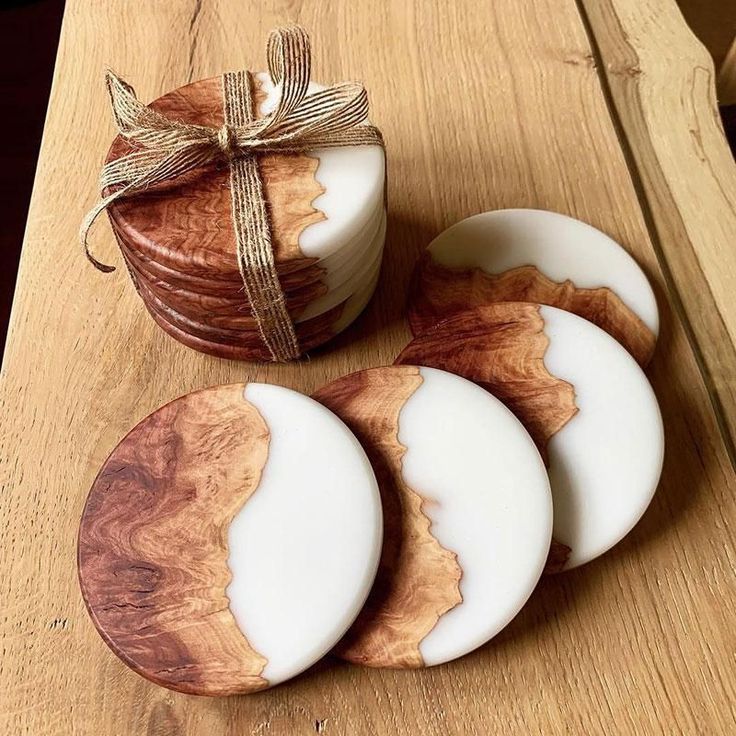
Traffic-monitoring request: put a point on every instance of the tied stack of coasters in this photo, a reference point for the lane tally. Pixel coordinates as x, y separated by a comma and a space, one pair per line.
249, 208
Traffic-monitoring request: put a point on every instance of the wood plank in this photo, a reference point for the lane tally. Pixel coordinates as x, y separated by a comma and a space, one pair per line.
482, 108
661, 81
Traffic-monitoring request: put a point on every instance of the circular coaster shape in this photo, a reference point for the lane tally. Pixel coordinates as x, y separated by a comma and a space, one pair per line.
584, 400
319, 201
230, 539
541, 257
467, 513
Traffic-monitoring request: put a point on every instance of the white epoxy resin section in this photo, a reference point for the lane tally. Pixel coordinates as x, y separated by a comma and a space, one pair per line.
560, 247
353, 182
304, 549
605, 463
488, 498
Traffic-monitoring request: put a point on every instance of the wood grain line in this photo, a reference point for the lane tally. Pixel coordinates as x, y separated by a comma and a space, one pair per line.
687, 253
153, 548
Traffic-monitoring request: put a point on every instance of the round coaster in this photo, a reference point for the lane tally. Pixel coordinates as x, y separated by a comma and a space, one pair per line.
584, 400
319, 201
467, 513
230, 539
541, 257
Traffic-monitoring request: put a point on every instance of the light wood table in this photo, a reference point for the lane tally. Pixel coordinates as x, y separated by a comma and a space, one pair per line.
603, 109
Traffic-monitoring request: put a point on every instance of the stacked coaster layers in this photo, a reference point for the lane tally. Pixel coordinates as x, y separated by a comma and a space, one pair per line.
328, 224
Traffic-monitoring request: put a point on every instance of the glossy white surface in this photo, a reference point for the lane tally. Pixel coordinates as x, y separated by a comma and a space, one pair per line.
304, 549
606, 461
559, 246
365, 270
353, 179
489, 501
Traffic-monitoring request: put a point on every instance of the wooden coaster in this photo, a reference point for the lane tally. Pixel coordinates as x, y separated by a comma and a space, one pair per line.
541, 257
467, 513
584, 400
230, 539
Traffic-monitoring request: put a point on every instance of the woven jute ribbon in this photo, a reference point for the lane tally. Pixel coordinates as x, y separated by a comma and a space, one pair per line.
164, 149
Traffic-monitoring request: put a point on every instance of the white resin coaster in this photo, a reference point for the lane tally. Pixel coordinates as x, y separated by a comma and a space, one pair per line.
584, 400
467, 513
536, 256
230, 539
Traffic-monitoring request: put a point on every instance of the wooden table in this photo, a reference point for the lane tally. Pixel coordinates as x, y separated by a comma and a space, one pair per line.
603, 109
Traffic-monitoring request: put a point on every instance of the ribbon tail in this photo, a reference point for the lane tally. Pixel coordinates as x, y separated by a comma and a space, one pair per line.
89, 220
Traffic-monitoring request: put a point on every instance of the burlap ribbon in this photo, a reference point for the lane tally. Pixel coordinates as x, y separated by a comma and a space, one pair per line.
165, 149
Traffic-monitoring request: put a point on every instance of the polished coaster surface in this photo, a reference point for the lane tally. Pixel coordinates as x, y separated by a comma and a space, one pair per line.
230, 539
584, 400
467, 513
541, 257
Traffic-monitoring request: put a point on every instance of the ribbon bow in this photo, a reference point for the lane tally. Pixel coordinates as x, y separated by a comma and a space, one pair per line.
165, 149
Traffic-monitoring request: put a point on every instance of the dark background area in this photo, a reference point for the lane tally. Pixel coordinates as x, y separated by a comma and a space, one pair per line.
29, 35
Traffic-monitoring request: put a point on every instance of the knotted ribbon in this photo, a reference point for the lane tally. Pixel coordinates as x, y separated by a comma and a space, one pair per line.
164, 149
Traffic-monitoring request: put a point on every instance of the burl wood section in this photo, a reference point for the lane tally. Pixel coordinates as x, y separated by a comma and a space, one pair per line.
439, 292
418, 579
153, 542
186, 225
501, 347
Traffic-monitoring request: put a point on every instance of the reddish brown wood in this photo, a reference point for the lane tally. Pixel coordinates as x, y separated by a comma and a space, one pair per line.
153, 542
501, 347
225, 287
243, 345
418, 579
186, 225
438, 292
226, 311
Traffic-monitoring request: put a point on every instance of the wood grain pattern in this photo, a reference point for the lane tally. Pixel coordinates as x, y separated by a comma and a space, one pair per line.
439, 292
187, 224
418, 579
231, 312
153, 542
236, 345
501, 347
637, 642
659, 73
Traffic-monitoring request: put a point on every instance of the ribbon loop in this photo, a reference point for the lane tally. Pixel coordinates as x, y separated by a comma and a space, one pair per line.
289, 64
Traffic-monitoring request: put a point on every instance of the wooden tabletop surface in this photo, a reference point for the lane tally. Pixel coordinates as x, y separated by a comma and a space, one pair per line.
602, 109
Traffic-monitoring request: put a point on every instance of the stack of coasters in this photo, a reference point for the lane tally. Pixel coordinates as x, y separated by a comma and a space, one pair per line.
249, 208
328, 227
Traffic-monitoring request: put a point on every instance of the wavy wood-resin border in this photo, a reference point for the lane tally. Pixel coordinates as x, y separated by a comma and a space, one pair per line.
153, 543
467, 513
439, 292
418, 579
501, 348
230, 539
584, 400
